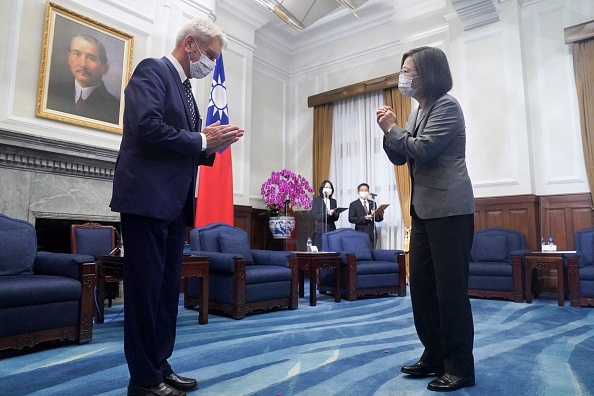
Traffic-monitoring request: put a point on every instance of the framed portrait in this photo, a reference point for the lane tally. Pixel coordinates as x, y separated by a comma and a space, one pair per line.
85, 66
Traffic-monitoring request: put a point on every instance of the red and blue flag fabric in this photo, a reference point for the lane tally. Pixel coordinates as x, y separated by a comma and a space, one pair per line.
215, 183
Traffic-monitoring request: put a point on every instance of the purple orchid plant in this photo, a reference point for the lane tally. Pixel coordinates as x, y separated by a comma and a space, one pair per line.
285, 190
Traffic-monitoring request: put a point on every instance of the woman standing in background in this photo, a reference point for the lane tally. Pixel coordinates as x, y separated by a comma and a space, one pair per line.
323, 210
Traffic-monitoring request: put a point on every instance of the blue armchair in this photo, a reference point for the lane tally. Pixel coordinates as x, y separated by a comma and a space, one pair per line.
43, 296
96, 240
580, 269
497, 264
364, 270
241, 279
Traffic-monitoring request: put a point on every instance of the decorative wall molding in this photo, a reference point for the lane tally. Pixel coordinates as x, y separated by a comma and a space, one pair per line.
475, 13
38, 154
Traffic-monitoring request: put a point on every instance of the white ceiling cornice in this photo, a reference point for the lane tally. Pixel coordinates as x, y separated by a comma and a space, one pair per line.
245, 12
340, 25
524, 3
475, 13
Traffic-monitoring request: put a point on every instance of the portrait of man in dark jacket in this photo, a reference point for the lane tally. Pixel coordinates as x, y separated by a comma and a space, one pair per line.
85, 94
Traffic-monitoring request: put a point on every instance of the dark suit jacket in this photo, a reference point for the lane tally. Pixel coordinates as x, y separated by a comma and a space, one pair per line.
357, 217
320, 214
100, 105
159, 155
435, 153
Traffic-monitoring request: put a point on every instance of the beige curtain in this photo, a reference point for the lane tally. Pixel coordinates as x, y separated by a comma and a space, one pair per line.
322, 143
401, 106
583, 56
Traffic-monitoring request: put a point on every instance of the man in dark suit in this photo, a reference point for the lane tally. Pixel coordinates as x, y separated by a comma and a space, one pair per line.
86, 95
361, 213
153, 190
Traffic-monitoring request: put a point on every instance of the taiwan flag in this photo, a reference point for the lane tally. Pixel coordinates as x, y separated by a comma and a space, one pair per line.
215, 183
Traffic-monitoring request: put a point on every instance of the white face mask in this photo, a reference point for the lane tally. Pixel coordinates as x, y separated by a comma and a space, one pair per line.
202, 67
364, 194
405, 85
327, 192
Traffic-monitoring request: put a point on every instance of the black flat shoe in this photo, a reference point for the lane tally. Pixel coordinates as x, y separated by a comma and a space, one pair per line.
420, 369
159, 390
448, 383
181, 383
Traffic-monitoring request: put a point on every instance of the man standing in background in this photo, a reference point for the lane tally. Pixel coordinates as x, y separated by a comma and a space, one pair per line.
361, 213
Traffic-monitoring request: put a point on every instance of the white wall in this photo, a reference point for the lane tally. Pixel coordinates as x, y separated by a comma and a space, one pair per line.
514, 79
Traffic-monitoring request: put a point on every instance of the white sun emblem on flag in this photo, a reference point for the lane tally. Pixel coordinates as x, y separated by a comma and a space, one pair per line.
218, 98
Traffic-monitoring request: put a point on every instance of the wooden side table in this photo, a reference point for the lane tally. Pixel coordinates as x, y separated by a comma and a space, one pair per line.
191, 266
545, 261
312, 262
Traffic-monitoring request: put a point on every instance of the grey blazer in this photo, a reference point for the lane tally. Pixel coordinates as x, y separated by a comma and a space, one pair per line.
435, 153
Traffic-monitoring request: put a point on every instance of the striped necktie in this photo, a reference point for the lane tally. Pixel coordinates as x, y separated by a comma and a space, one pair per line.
191, 102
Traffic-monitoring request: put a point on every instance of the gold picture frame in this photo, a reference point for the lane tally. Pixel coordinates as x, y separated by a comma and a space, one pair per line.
83, 58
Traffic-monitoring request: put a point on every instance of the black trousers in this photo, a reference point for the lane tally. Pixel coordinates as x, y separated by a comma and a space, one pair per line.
439, 257
152, 267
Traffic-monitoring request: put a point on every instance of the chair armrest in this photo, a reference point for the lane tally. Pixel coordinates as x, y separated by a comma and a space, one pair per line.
272, 257
344, 256
385, 254
572, 259
576, 255
220, 262
521, 253
60, 264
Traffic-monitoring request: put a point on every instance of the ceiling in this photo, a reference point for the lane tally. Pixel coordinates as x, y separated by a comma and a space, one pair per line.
320, 22
300, 14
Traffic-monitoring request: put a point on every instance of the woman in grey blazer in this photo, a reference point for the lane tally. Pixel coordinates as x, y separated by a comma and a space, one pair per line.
433, 144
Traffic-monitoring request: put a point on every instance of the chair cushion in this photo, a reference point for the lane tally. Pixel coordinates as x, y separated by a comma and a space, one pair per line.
584, 244
24, 290
485, 268
18, 246
359, 245
377, 267
587, 273
93, 241
266, 274
238, 243
490, 248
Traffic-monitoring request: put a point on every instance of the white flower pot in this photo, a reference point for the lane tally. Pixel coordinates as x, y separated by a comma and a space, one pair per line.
282, 226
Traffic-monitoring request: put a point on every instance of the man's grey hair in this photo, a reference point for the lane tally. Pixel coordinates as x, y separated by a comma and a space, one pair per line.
202, 30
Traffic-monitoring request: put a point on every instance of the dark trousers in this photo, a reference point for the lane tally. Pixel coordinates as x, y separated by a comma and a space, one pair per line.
152, 265
369, 229
439, 257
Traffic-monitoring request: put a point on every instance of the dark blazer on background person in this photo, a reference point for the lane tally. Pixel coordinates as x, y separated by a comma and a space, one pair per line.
101, 105
320, 214
357, 215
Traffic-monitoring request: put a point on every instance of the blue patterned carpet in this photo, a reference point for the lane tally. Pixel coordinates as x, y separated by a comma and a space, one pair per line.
350, 348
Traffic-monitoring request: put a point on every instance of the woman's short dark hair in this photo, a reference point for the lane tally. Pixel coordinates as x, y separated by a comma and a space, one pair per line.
322, 187
432, 65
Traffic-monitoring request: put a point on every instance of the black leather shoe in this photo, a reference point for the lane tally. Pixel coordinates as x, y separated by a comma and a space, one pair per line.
449, 382
160, 390
420, 369
181, 383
